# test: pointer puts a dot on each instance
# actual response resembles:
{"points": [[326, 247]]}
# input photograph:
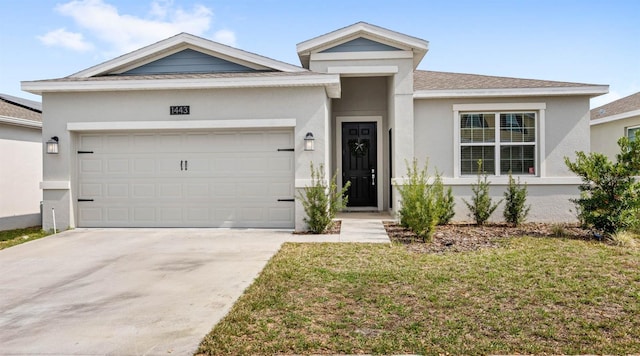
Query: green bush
{"points": [[609, 194], [444, 201], [515, 210], [321, 202], [481, 206], [419, 211]]}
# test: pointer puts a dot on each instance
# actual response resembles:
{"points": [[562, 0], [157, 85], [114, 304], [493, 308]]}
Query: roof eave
{"points": [[181, 39], [20, 122], [621, 116], [590, 91], [329, 81]]}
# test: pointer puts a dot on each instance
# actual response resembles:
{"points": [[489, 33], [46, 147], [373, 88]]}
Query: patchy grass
{"points": [[10, 238], [530, 296]]}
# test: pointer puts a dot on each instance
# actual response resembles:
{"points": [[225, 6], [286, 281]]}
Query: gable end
{"points": [[360, 44], [189, 61]]}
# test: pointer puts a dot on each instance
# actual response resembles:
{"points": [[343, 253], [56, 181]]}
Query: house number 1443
{"points": [[179, 110]]}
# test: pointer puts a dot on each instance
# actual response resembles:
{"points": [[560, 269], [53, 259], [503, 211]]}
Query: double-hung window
{"points": [[504, 142], [633, 133]]}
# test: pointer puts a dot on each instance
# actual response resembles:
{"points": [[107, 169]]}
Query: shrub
{"points": [[419, 211], [558, 230], [481, 206], [609, 194], [515, 210], [444, 201], [624, 238], [321, 202]]}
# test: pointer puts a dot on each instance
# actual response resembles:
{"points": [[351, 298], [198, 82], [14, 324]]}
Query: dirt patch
{"points": [[470, 237]]}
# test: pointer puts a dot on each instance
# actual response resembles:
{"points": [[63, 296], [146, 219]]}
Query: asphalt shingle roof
{"points": [[626, 104], [11, 106], [430, 80]]}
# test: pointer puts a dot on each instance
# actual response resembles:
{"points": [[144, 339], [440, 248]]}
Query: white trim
{"points": [[331, 82], [379, 140], [634, 127], [51, 185], [499, 106], [593, 90], [539, 152], [624, 115], [342, 56], [363, 29], [363, 70], [179, 40], [179, 125], [502, 180], [20, 122]]}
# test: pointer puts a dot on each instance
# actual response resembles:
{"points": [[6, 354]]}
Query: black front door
{"points": [[359, 158]]}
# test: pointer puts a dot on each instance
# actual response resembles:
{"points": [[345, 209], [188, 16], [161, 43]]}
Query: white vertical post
{"points": [[53, 213]]}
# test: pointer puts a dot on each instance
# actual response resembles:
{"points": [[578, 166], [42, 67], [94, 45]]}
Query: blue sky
{"points": [[585, 41]]}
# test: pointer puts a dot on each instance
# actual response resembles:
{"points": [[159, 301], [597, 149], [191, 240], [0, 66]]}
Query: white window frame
{"points": [[497, 109], [626, 131]]}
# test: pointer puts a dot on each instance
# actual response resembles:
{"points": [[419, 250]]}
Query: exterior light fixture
{"points": [[52, 145], [309, 142]]}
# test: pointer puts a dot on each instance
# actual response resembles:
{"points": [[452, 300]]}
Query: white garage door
{"points": [[186, 179]]}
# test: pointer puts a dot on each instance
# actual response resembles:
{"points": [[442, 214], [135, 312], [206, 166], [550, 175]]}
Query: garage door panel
{"points": [[232, 179]]}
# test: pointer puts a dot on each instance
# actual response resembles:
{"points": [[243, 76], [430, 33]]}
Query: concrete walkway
{"points": [[364, 227]]}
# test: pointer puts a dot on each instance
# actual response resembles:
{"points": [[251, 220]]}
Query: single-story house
{"points": [[190, 132], [20, 162], [612, 121]]}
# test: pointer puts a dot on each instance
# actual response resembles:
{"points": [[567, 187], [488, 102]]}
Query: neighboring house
{"points": [[612, 121], [20, 162], [189, 132]]}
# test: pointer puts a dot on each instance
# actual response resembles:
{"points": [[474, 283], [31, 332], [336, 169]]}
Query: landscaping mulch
{"points": [[462, 237], [334, 229]]}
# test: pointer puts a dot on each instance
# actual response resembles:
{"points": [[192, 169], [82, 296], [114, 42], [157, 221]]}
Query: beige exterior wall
{"points": [[605, 136], [20, 175], [308, 105], [566, 121]]}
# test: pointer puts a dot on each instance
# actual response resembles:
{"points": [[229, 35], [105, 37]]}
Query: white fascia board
{"points": [[345, 56], [330, 82], [363, 70], [494, 93], [20, 122], [362, 28], [180, 125], [624, 115], [182, 39]]}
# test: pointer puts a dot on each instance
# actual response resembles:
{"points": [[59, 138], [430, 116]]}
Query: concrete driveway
{"points": [[125, 291]]}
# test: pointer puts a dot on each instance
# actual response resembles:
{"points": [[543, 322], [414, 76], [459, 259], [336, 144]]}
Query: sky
{"points": [[584, 41]]}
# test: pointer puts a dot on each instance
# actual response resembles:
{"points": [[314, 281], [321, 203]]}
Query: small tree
{"points": [[321, 202], [444, 201], [610, 195], [419, 210], [481, 206], [515, 210]]}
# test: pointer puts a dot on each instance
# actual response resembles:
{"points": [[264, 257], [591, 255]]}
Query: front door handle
{"points": [[373, 176]]}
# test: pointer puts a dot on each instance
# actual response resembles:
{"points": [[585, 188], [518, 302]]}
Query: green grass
{"points": [[10, 238], [531, 296]]}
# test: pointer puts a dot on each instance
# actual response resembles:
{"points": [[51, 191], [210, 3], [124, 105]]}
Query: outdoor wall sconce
{"points": [[309, 142], [52, 145]]}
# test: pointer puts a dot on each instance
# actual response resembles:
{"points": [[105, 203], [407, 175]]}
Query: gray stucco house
{"points": [[20, 162], [189, 132], [614, 120]]}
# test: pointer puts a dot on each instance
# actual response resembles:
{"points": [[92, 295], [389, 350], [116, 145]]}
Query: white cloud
{"points": [[66, 39], [226, 37], [124, 33]]}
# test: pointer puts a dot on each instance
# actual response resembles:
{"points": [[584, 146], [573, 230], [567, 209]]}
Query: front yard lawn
{"points": [[10, 238], [529, 295]]}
